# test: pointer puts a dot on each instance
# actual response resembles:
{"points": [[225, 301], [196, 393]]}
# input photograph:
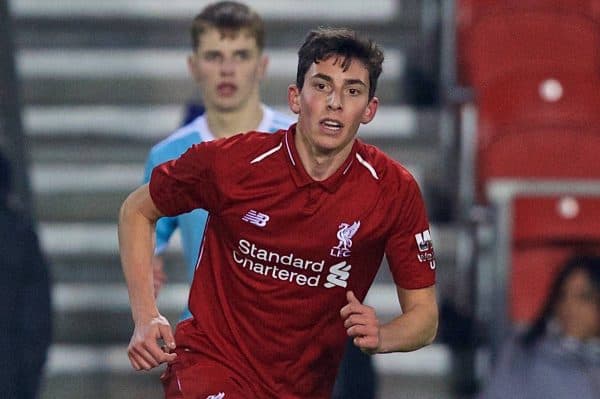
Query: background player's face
{"points": [[228, 70], [332, 104], [578, 308]]}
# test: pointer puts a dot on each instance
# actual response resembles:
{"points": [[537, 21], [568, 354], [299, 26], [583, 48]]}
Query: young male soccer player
{"points": [[228, 64], [299, 223]]}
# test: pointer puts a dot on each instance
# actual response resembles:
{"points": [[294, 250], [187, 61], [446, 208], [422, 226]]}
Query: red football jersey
{"points": [[281, 250]]}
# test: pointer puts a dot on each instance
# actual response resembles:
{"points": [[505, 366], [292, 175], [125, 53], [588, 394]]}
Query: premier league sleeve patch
{"points": [[425, 247]]}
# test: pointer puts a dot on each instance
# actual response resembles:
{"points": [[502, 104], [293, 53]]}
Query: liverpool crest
{"points": [[345, 234]]}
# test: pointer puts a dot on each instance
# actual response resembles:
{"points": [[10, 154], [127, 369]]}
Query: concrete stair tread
{"points": [[99, 313], [74, 178], [157, 120], [152, 75], [110, 135], [433, 360], [101, 238], [153, 63], [42, 24], [109, 297], [379, 10]]}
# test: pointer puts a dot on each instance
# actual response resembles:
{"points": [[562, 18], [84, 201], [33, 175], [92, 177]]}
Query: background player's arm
{"points": [[137, 219], [165, 227], [414, 328]]}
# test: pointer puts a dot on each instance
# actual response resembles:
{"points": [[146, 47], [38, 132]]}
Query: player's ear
{"points": [[294, 98], [263, 63], [370, 110], [192, 67]]}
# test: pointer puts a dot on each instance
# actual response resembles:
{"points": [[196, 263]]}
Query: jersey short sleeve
{"points": [[409, 249], [188, 182]]}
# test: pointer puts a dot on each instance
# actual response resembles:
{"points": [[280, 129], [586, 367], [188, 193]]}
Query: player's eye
{"points": [[320, 86], [210, 56], [242, 55]]}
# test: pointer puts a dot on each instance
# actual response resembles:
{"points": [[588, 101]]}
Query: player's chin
{"points": [[228, 106], [328, 146]]}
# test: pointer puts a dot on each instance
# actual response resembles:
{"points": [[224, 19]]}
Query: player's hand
{"points": [[144, 350], [158, 270], [361, 323]]}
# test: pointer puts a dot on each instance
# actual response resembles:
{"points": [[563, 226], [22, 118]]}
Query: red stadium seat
{"points": [[499, 44], [543, 97], [532, 152], [468, 11], [538, 124], [546, 231]]}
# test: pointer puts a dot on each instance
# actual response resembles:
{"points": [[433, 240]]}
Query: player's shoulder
{"points": [[387, 170], [178, 142], [239, 152], [248, 143]]}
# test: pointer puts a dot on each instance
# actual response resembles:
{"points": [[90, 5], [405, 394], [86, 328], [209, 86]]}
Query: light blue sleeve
{"points": [[165, 226]]}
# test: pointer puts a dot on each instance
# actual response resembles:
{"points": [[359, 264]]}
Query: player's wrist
{"points": [[143, 316]]}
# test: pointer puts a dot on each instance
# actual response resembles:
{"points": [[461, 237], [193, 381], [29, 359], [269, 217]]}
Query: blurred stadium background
{"points": [[493, 105]]}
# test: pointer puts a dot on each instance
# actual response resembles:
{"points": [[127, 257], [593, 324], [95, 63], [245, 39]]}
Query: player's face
{"points": [[578, 309], [228, 70], [332, 104]]}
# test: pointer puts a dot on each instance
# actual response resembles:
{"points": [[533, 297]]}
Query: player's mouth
{"points": [[331, 125], [226, 89]]}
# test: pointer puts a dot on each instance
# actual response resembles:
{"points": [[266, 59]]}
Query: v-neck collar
{"points": [[300, 175]]}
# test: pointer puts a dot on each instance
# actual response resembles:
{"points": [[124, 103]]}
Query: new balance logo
{"points": [[256, 218], [219, 395], [338, 275]]}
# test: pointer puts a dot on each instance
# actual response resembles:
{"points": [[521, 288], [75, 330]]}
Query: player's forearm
{"points": [[412, 330], [136, 233]]}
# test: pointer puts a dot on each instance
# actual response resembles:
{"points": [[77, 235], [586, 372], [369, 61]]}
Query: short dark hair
{"points": [[323, 43], [229, 18]]}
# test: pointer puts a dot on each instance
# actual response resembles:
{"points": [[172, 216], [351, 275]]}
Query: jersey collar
{"points": [[265, 124], [302, 178]]}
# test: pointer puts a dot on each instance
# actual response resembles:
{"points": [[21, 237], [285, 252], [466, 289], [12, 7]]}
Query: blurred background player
{"points": [[228, 64]]}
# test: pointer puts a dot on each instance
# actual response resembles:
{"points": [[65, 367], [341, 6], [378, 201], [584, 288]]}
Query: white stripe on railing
{"points": [[155, 63], [157, 121], [81, 238], [93, 296], [345, 10], [433, 361], [76, 178]]}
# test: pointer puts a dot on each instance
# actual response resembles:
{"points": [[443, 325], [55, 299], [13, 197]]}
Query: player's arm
{"points": [[165, 227], [417, 326], [137, 219], [414, 328]]}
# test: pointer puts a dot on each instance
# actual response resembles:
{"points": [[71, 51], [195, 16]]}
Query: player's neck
{"points": [[228, 123], [320, 166]]}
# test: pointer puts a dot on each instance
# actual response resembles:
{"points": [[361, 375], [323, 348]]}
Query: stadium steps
{"points": [[156, 75], [94, 170], [101, 83]]}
